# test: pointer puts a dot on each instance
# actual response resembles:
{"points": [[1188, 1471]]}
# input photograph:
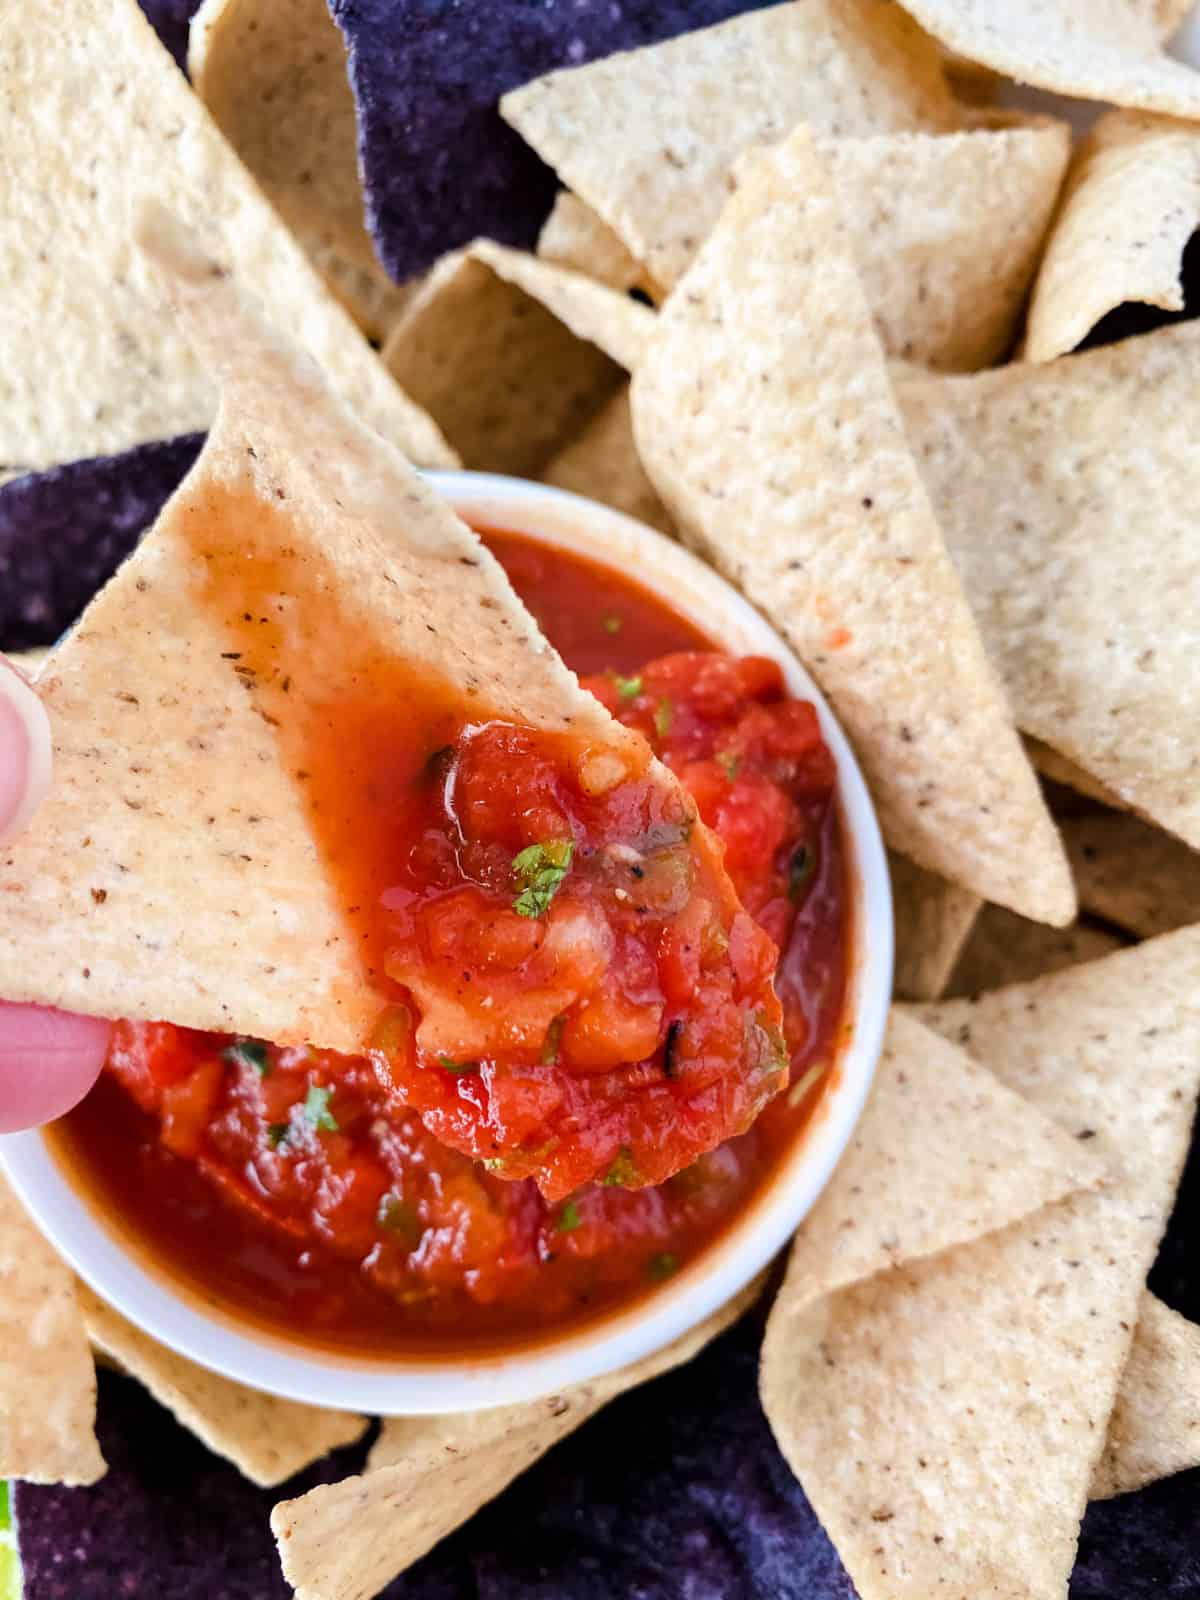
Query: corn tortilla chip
{"points": [[933, 920], [1133, 874], [943, 1153], [266, 1438], [1154, 1429], [1132, 204], [1096, 51], [47, 1378], [1065, 492], [1004, 948], [426, 1475], [947, 231], [574, 236], [375, 303], [648, 139], [162, 757], [764, 416], [602, 462], [507, 381], [273, 75], [1052, 764], [90, 367], [945, 1418]]}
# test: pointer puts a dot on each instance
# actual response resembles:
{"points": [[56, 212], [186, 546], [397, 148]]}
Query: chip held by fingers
{"points": [[312, 703]]}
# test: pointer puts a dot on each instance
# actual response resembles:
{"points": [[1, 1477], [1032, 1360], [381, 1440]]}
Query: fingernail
{"points": [[25, 750]]}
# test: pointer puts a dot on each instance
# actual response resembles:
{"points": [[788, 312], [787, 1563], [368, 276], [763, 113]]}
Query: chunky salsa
{"points": [[485, 1168]]}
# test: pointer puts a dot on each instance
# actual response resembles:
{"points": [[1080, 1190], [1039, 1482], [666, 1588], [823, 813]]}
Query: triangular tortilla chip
{"points": [[648, 138], [507, 381], [947, 231], [1132, 204], [1154, 1429], [375, 302], [1004, 948], [513, 355], [1066, 495], [427, 1475], [602, 462], [174, 786], [47, 1377], [933, 920], [266, 1438], [273, 74], [90, 367], [574, 236], [764, 415], [1052, 764], [945, 1418], [943, 1153], [1094, 49], [1133, 874]]}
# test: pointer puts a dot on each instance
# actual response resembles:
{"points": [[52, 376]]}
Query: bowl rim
{"points": [[183, 1320]]}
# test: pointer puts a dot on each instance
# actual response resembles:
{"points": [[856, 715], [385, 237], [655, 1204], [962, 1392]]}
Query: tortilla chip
{"points": [[47, 1379], [513, 355], [764, 416], [943, 1153], [1154, 1429], [1004, 948], [1052, 764], [375, 302], [90, 367], [1132, 874], [1131, 206], [266, 1438], [173, 783], [1066, 494], [273, 74], [30, 662], [648, 139], [1110, 51], [933, 920], [574, 236], [427, 1475], [947, 232], [602, 462], [945, 1418]]}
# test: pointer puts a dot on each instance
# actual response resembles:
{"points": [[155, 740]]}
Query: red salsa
{"points": [[574, 1088]]}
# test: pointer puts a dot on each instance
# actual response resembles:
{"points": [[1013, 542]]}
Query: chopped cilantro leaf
{"points": [[248, 1053], [800, 871], [568, 1218], [460, 1068], [553, 1040], [660, 1267], [627, 688], [613, 623], [623, 1172], [729, 764], [664, 715], [316, 1108], [399, 1217], [276, 1134], [539, 870], [494, 1164]]}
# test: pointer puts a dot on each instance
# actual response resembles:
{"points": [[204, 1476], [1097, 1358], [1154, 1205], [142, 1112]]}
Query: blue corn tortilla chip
{"points": [[170, 19], [63, 533], [439, 166]]}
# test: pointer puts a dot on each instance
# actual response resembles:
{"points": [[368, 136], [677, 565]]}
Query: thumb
{"points": [[25, 750]]}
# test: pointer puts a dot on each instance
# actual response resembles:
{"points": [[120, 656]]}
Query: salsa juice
{"points": [[293, 1186]]}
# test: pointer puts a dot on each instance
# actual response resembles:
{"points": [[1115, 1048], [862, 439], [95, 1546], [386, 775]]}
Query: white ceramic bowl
{"points": [[184, 1320]]}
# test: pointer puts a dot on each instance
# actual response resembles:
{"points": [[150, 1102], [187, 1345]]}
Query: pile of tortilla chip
{"points": [[815, 288]]}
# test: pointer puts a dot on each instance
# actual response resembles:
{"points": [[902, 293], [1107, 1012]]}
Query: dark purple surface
{"points": [[440, 166], [63, 533], [169, 19]]}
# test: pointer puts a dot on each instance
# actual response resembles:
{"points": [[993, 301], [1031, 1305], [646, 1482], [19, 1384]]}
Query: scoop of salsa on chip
{"points": [[561, 1102]]}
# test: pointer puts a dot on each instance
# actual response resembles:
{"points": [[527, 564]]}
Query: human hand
{"points": [[48, 1059]]}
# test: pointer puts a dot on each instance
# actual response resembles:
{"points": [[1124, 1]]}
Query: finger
{"points": [[48, 1062], [25, 750]]}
